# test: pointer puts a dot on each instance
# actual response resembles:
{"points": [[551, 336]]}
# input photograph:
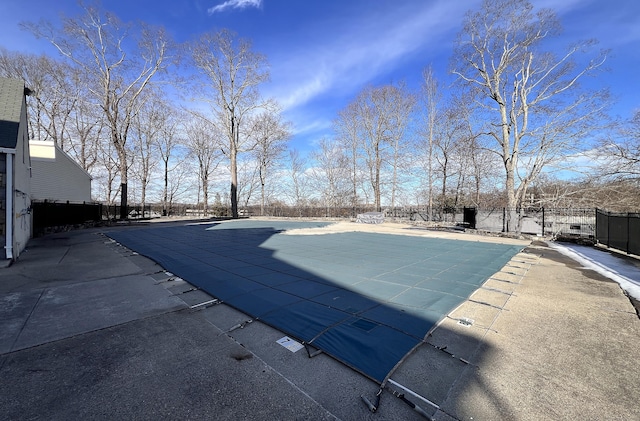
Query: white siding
{"points": [[22, 188], [56, 177]]}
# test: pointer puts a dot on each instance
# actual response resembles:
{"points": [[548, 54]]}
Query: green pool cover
{"points": [[366, 299]]}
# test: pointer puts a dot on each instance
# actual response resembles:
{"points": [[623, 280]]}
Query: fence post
{"points": [[628, 230], [608, 229], [504, 218], [597, 237], [543, 221]]}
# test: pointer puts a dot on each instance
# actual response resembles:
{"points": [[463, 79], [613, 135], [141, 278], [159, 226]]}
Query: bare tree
{"points": [[299, 181], [107, 173], [530, 98], [446, 146], [330, 173], [400, 118], [270, 135], [379, 117], [235, 72], [87, 125], [203, 142], [167, 144], [620, 158], [148, 126], [430, 99], [53, 96], [179, 184], [348, 134], [58, 109], [104, 50]]}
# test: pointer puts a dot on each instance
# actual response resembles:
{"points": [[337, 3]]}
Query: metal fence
{"points": [[113, 212], [619, 230], [553, 222], [616, 230]]}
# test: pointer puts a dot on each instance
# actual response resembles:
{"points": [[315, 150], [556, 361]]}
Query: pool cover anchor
{"points": [[411, 404], [205, 304], [373, 407], [310, 353], [239, 326]]}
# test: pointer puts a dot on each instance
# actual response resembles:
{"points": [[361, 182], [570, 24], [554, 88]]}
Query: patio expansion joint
{"points": [[242, 325], [24, 324], [79, 334], [471, 364]]}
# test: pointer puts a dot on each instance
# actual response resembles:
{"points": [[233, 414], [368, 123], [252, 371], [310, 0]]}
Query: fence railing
{"points": [[616, 230], [554, 222], [619, 230]]}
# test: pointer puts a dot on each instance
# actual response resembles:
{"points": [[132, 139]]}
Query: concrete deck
{"points": [[90, 330]]}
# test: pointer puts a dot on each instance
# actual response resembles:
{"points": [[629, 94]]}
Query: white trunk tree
{"points": [[203, 141], [621, 157], [430, 97], [529, 97], [270, 135], [118, 60], [378, 118], [299, 180], [234, 72]]}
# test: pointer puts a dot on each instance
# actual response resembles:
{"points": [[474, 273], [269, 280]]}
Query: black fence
{"points": [[54, 214], [113, 212], [619, 230]]}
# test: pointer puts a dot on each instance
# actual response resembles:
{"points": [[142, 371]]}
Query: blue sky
{"points": [[322, 53]]}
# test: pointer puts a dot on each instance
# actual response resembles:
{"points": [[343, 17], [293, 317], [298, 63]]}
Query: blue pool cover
{"points": [[366, 299]]}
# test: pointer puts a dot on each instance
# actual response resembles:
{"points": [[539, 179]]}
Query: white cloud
{"points": [[354, 53], [234, 4]]}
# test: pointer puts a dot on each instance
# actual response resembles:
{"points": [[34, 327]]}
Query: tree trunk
{"points": [[143, 193], [430, 164], [263, 172], [234, 183], [205, 199], [376, 187], [165, 193], [123, 201]]}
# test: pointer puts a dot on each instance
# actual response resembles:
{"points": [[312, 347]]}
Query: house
{"points": [[55, 176], [15, 169]]}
